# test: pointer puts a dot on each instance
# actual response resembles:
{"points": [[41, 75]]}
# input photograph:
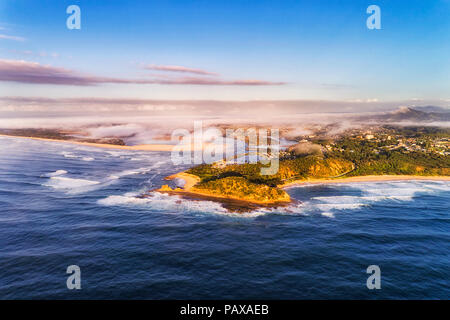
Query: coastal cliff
{"points": [[240, 188], [234, 188]]}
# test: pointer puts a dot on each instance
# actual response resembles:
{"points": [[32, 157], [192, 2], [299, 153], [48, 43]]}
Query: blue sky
{"points": [[318, 50]]}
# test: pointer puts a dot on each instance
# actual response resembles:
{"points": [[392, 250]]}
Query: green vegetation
{"points": [[392, 151], [57, 134], [414, 163], [241, 188], [245, 182], [419, 132], [37, 133], [380, 158], [290, 169]]}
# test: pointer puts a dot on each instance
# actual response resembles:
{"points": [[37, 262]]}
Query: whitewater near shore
{"points": [[50, 203], [371, 178], [191, 180]]}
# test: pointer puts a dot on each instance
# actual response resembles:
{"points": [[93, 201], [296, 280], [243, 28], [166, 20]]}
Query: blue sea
{"points": [[63, 205]]}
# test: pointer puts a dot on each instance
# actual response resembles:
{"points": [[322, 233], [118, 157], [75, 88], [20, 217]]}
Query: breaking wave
{"points": [[365, 194], [70, 155], [171, 204], [70, 184], [130, 172], [56, 173]]}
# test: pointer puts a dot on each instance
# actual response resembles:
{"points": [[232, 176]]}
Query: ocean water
{"points": [[64, 205]]}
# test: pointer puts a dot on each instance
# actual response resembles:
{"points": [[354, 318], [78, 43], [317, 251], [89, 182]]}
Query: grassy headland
{"points": [[391, 155]]}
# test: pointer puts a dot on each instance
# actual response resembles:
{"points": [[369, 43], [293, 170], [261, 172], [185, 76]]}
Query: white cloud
{"points": [[14, 38]]}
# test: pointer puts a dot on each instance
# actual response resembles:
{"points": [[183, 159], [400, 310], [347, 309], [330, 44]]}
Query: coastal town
{"points": [[389, 139]]}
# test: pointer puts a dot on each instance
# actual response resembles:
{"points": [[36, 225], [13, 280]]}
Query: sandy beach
{"points": [[141, 147], [190, 180], [364, 179]]}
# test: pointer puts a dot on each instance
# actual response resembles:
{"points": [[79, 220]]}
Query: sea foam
{"points": [[69, 184], [171, 203], [56, 173], [369, 193]]}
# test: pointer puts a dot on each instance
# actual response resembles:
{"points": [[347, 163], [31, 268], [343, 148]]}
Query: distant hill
{"points": [[413, 115], [433, 109]]}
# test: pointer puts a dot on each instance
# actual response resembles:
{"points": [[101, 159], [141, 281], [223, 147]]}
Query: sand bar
{"points": [[190, 180], [142, 147]]}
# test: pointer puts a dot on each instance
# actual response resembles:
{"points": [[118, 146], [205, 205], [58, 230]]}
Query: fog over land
{"points": [[139, 121]]}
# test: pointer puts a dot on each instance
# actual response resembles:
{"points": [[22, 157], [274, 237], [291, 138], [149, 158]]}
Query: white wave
{"points": [[121, 200], [119, 154], [70, 155], [172, 204], [75, 185], [438, 186], [402, 191], [70, 185], [56, 173], [336, 199], [312, 207], [130, 172], [328, 214], [370, 193], [251, 214], [338, 206], [292, 209], [360, 199], [162, 202]]}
